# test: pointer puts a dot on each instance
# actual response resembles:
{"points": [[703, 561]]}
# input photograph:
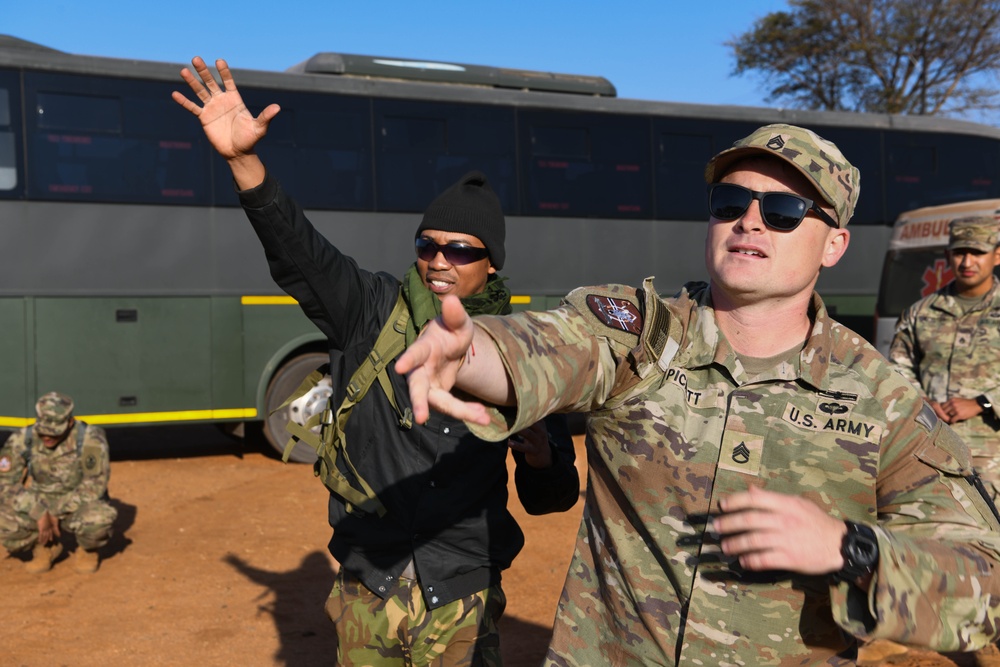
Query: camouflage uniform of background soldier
{"points": [[948, 344], [763, 487], [54, 478]]}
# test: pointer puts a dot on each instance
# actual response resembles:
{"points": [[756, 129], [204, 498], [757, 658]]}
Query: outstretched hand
{"points": [[230, 127], [432, 362]]}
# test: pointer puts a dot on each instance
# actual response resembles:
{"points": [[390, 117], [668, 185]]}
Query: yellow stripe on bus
{"points": [[289, 301], [147, 417], [268, 301]]}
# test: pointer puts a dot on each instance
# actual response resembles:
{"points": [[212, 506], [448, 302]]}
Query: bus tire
{"points": [[286, 380]]}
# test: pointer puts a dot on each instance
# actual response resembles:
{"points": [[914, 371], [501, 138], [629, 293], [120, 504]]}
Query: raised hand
{"points": [[229, 126]]}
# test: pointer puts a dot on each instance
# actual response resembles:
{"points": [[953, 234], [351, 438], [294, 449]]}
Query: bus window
{"points": [[681, 175], [81, 149], [586, 165], [422, 148], [8, 146], [78, 113], [916, 174], [333, 157]]}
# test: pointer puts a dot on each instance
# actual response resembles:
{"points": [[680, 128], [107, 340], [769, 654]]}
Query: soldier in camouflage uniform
{"points": [[948, 344], [764, 488], [53, 478]]}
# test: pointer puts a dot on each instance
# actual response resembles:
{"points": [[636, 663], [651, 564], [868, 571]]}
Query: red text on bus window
{"points": [[68, 139]]}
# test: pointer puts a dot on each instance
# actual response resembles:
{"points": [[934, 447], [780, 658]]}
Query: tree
{"points": [[887, 56]]}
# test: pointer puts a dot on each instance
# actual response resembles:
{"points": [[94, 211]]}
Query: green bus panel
{"points": [[227, 354], [125, 355], [16, 386], [272, 334]]}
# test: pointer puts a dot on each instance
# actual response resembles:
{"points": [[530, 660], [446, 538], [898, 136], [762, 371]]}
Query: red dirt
{"points": [[221, 559]]}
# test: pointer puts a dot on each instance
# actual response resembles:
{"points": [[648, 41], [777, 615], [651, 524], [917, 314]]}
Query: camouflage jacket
{"points": [[60, 480], [674, 423], [947, 353]]}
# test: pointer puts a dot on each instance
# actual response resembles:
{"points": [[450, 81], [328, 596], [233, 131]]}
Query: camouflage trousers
{"points": [[91, 524], [401, 630]]}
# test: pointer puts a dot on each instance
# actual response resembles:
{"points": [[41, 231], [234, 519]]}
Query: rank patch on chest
{"points": [[616, 313], [741, 452], [4, 464]]}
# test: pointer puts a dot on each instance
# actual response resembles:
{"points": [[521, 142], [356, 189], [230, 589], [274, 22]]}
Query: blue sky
{"points": [[671, 50]]}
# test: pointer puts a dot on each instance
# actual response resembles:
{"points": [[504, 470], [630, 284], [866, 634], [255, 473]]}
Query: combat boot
{"points": [[877, 651], [988, 656], [85, 562], [42, 558]]}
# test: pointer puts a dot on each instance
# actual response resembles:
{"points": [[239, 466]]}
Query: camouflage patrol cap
{"points": [[54, 412], [977, 233], [819, 160]]}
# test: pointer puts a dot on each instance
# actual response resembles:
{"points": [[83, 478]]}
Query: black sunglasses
{"points": [[780, 210], [457, 254]]}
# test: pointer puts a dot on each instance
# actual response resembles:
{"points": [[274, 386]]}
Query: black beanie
{"points": [[470, 207]]}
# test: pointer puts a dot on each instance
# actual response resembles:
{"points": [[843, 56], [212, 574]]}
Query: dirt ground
{"points": [[220, 559]]}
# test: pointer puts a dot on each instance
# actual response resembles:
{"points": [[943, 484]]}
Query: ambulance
{"points": [[915, 265]]}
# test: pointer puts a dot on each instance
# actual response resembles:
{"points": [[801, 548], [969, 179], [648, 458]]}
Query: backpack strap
{"points": [[330, 443], [80, 435]]}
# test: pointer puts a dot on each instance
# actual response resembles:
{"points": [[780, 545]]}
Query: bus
{"points": [[132, 281]]}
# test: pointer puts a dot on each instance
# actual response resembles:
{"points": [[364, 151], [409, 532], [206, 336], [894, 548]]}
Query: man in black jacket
{"points": [[419, 583]]}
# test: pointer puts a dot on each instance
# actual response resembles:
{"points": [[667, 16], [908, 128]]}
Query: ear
{"points": [[996, 256], [837, 241], [491, 269]]}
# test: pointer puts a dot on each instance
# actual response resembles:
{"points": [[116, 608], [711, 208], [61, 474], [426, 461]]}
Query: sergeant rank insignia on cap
{"points": [[616, 313]]}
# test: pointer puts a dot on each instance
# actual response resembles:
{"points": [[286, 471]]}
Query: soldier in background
{"points": [[763, 486], [54, 478], [948, 344]]}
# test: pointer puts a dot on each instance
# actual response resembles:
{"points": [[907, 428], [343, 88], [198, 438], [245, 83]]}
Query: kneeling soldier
{"points": [[68, 465]]}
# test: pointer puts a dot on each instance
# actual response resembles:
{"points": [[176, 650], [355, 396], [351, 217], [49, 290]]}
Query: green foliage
{"points": [[887, 56]]}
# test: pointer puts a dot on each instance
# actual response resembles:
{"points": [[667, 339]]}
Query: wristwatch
{"points": [[984, 402], [860, 552]]}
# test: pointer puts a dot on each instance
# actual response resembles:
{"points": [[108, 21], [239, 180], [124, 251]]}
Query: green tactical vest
{"points": [[330, 442]]}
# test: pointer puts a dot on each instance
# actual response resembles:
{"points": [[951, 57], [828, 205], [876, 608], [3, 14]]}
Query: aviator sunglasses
{"points": [[780, 210], [456, 254]]}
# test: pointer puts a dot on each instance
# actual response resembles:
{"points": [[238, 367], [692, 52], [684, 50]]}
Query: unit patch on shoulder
{"points": [[90, 463], [616, 313], [4, 464]]}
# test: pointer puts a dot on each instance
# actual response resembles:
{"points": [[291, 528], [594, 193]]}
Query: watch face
{"points": [[984, 402], [862, 552]]}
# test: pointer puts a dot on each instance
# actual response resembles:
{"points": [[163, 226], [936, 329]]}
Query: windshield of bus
{"points": [[910, 275]]}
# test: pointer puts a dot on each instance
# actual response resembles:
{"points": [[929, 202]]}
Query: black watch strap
{"points": [[860, 552], [984, 402]]}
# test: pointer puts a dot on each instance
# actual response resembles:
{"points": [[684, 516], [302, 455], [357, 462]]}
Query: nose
{"points": [[752, 219], [439, 262]]}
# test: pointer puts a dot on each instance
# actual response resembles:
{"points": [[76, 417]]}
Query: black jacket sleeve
{"points": [[552, 489], [331, 289]]}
